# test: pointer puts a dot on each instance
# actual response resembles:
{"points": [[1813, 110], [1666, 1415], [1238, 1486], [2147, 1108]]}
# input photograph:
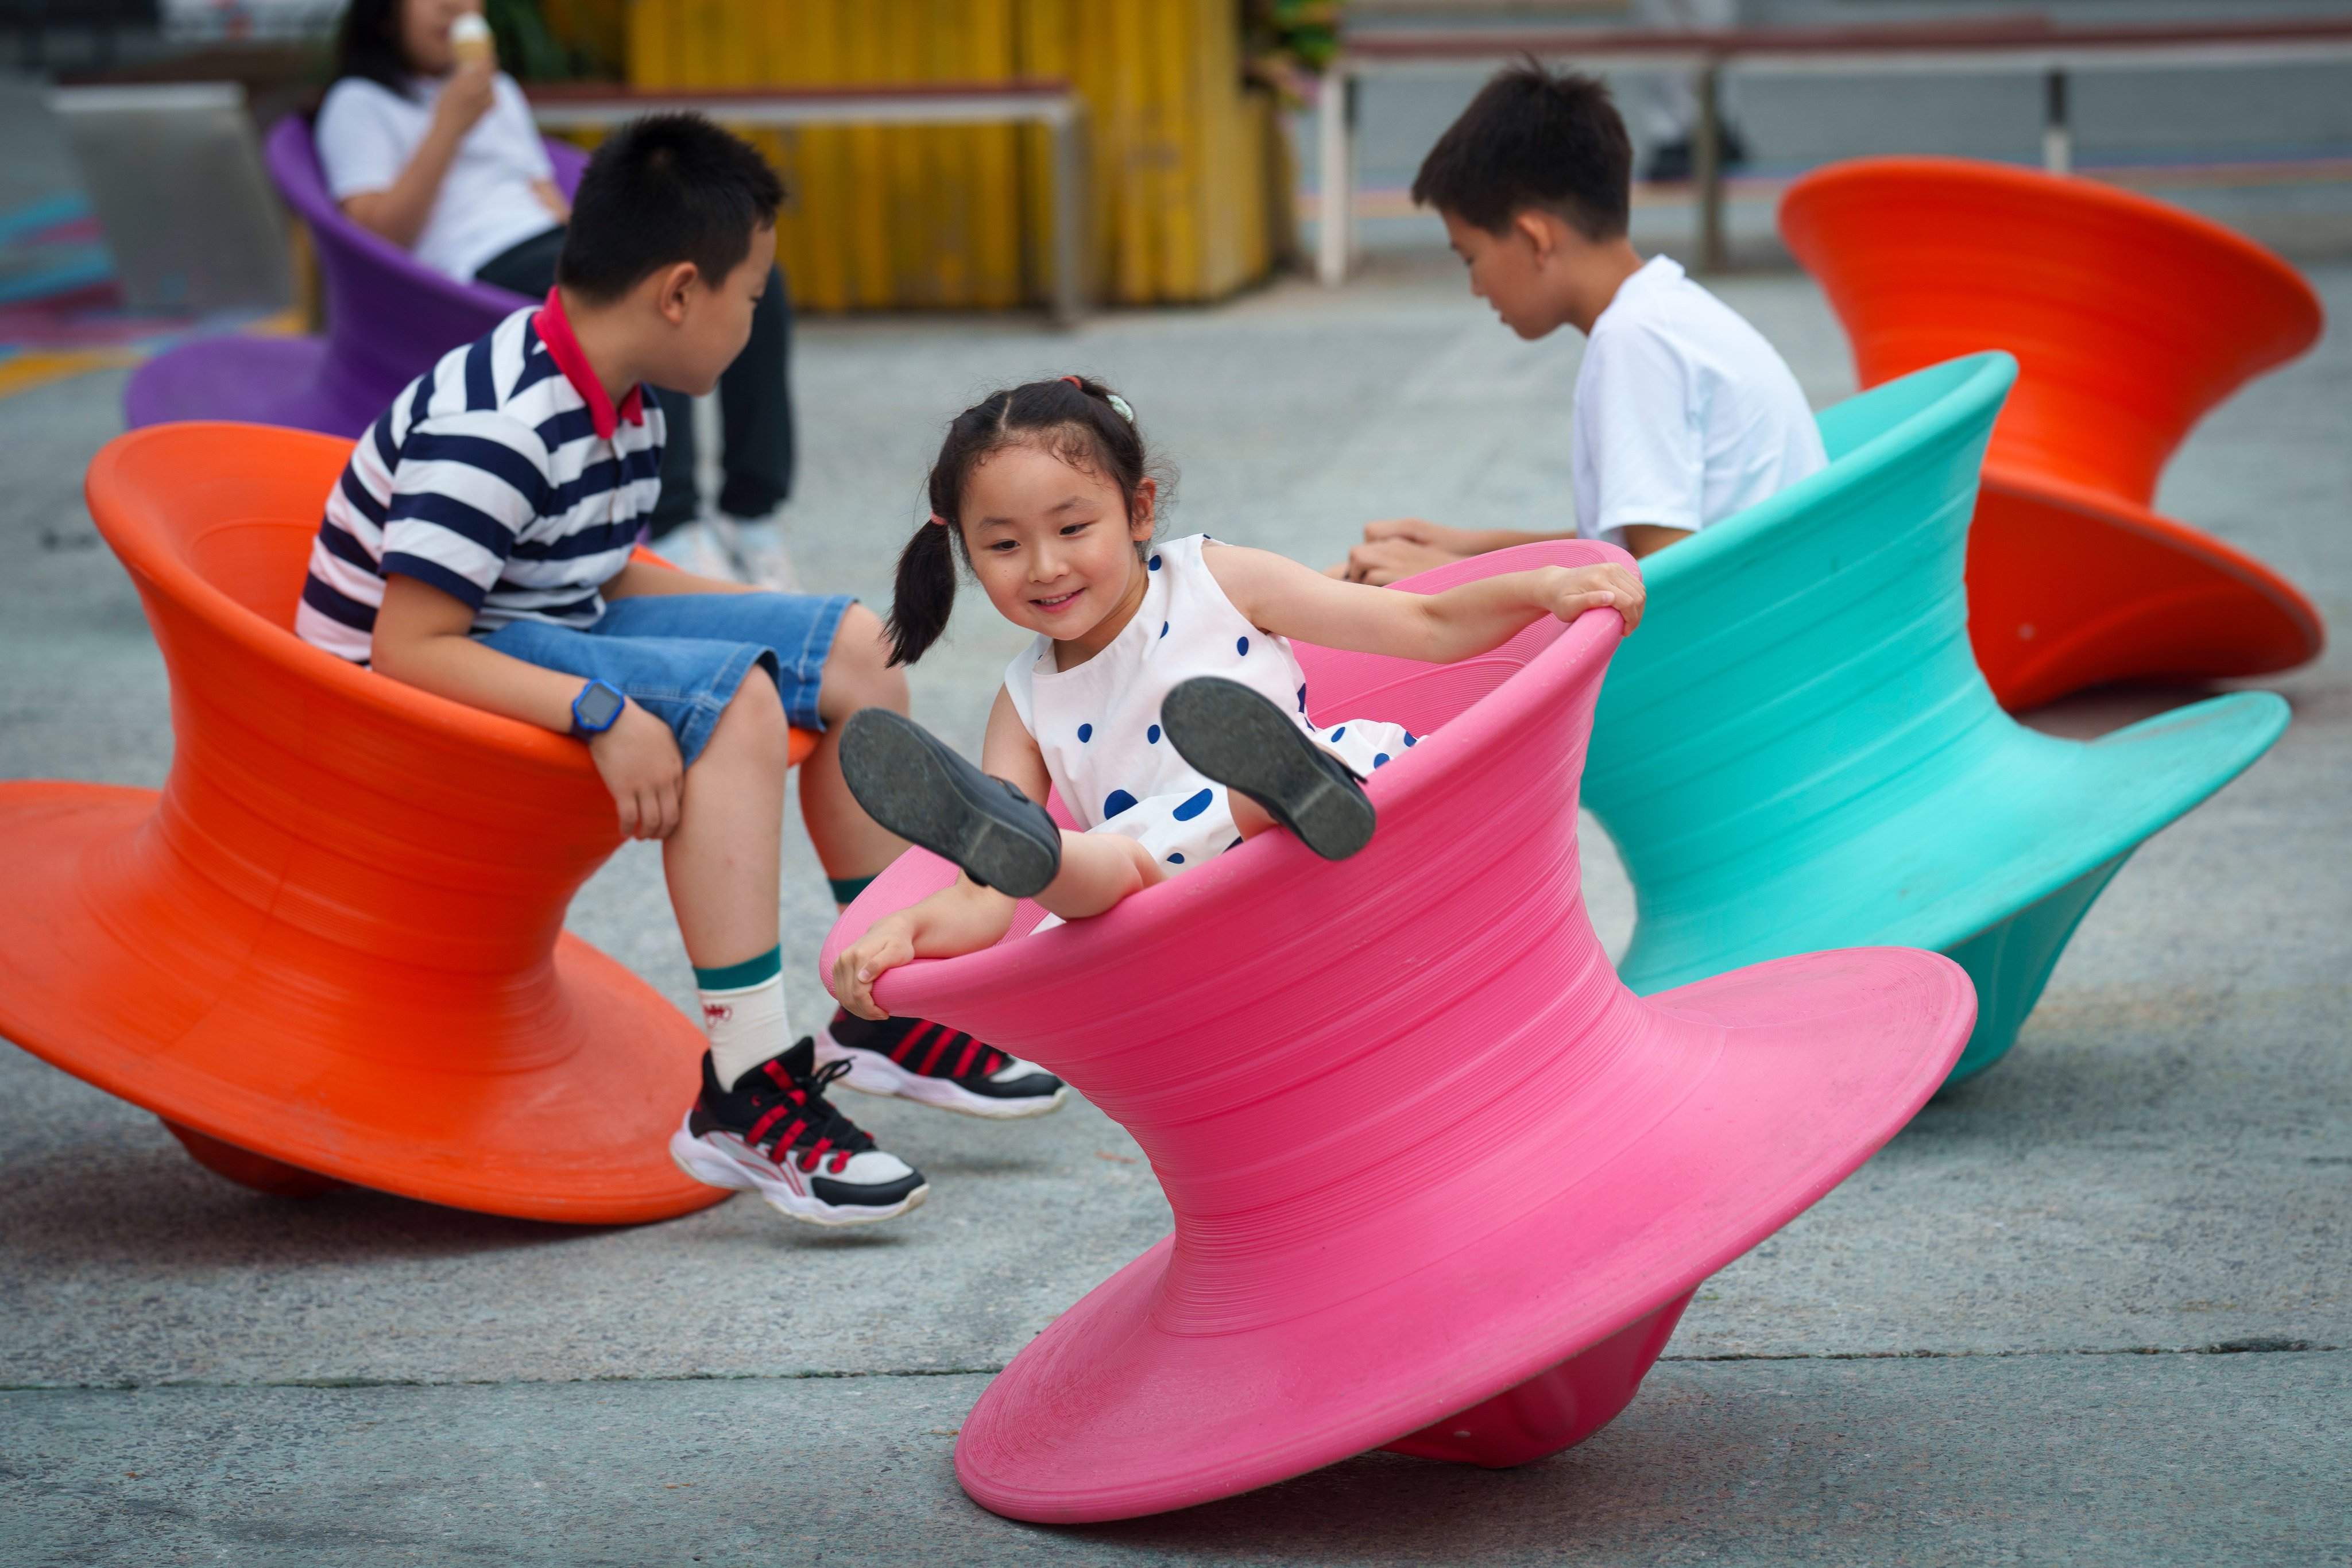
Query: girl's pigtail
{"points": [[924, 595]]}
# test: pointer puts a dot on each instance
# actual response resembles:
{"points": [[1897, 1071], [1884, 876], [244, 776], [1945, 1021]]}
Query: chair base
{"points": [[1711, 1117], [2010, 963], [2070, 589], [554, 1099], [1553, 1410], [249, 1169], [250, 380]]}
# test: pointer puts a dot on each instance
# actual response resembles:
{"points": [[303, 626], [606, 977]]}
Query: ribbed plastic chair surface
{"points": [[331, 950], [2130, 319], [1798, 751], [1440, 1183], [389, 318]]}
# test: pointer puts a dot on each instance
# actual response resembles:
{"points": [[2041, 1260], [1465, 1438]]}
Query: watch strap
{"points": [[581, 728]]}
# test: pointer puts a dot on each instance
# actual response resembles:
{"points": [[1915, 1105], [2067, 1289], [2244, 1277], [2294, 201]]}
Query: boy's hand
{"points": [[1421, 531], [1399, 547], [885, 947], [1608, 585], [1385, 561], [638, 759]]}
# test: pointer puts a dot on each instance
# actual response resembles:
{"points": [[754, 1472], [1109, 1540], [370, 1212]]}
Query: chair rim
{"points": [[1991, 374], [1980, 379], [115, 487], [2061, 193], [1568, 658]]}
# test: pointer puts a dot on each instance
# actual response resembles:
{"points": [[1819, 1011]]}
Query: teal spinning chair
{"points": [[1797, 752]]}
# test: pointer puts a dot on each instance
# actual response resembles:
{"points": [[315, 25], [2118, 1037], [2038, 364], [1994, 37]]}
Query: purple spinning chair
{"points": [[388, 318]]}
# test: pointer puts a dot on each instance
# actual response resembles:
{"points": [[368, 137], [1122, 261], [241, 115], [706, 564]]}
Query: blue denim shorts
{"points": [[680, 656]]}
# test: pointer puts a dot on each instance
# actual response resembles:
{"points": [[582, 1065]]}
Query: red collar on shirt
{"points": [[554, 330]]}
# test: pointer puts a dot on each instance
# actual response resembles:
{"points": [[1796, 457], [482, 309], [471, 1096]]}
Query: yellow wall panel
{"points": [[961, 216]]}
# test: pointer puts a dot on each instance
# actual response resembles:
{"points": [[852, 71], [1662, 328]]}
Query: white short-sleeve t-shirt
{"points": [[1684, 414], [366, 134]]}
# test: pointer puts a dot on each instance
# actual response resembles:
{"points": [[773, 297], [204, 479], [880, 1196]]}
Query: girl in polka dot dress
{"points": [[1160, 696]]}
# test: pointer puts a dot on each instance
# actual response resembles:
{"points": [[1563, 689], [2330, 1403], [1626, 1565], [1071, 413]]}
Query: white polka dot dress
{"points": [[1098, 725]]}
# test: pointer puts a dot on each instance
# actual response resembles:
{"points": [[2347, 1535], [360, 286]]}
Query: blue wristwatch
{"points": [[596, 708]]}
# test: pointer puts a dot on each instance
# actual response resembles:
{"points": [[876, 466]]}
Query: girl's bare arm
{"points": [[400, 212], [1294, 601]]}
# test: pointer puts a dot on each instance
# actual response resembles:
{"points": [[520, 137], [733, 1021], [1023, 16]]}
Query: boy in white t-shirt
{"points": [[1684, 414]]}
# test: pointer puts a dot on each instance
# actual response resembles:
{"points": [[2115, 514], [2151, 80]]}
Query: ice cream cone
{"points": [[470, 41]]}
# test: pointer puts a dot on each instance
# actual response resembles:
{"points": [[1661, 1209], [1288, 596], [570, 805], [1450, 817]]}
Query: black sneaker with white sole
{"points": [[922, 789], [935, 1065], [1234, 735], [776, 1134]]}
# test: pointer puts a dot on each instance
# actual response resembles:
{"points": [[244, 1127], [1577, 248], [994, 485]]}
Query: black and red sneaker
{"points": [[935, 1065], [776, 1134]]}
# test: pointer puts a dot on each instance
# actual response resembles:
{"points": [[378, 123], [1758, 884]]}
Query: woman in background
{"points": [[439, 155]]}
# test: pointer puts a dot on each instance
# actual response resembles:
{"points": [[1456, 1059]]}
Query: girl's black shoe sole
{"points": [[1237, 737], [925, 793]]}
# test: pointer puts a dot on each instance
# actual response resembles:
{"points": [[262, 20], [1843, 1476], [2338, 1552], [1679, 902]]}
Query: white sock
{"points": [[746, 1025]]}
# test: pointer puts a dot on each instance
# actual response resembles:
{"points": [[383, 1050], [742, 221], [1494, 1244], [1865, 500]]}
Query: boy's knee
{"points": [[755, 720], [857, 669]]}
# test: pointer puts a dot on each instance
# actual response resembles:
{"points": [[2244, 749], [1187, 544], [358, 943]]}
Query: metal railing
{"points": [[1051, 104], [2003, 47]]}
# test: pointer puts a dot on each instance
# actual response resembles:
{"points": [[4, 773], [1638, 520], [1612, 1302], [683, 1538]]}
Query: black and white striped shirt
{"points": [[502, 476]]}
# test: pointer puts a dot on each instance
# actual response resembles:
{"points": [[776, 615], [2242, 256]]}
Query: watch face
{"points": [[598, 706]]}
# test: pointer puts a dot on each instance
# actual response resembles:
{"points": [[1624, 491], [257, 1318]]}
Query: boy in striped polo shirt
{"points": [[478, 546]]}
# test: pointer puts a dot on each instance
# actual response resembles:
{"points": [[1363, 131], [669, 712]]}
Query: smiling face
{"points": [[1053, 546]]}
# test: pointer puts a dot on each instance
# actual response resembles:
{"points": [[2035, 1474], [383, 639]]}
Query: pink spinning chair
{"points": [[1440, 1183]]}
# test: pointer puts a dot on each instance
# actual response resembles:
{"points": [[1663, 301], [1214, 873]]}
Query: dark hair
{"points": [[665, 189], [1072, 417], [1533, 138], [368, 45]]}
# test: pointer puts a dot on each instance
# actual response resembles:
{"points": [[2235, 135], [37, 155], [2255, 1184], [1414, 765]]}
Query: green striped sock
{"points": [[845, 889], [743, 1014], [750, 972]]}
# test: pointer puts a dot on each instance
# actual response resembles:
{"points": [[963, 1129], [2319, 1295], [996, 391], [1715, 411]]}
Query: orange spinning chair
{"points": [[2130, 319], [332, 950]]}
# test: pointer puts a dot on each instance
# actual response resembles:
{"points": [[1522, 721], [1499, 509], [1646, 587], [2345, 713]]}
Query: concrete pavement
{"points": [[2093, 1307], [2125, 1461]]}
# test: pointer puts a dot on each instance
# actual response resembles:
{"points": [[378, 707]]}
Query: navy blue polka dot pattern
{"points": [[1193, 806], [1241, 645], [1234, 846], [1339, 732], [1155, 563], [1302, 699], [1177, 858], [1153, 735], [1086, 733], [1118, 801], [1163, 628], [1380, 760], [1411, 739]]}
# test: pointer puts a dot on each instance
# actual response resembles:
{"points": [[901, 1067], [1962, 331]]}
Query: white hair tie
{"points": [[1120, 403]]}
